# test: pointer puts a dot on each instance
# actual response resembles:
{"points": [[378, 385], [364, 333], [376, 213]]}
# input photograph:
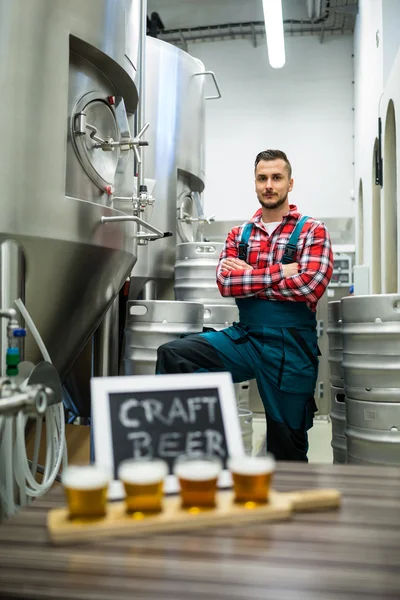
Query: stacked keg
{"points": [[150, 323], [371, 364], [195, 272], [195, 281], [337, 393]]}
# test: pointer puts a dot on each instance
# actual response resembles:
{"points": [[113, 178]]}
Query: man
{"points": [[277, 267]]}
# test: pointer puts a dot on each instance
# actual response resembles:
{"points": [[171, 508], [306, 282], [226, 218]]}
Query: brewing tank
{"points": [[67, 71], [174, 160]]}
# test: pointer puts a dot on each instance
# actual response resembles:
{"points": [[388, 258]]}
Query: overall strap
{"points": [[243, 243], [291, 246]]}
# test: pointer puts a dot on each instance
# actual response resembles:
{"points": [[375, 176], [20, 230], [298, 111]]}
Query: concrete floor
{"points": [[320, 436]]}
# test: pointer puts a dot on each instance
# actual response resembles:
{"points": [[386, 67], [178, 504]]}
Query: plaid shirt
{"points": [[266, 280]]}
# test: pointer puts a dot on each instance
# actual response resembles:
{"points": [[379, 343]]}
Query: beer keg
{"points": [[335, 357], [195, 273], [373, 432], [338, 418], [335, 354], [220, 316], [371, 347], [150, 323], [371, 364]]}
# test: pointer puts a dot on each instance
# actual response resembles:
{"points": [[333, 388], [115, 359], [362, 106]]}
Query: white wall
{"points": [[304, 109], [377, 76]]}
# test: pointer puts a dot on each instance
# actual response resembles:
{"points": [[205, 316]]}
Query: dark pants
{"points": [[285, 377]]}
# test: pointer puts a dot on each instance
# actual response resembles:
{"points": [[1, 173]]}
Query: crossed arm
{"points": [[232, 264], [304, 281]]}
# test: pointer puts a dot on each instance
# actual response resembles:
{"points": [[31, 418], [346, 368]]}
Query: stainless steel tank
{"points": [[373, 432], [371, 347], [338, 418], [65, 66], [175, 109], [195, 273], [152, 323]]}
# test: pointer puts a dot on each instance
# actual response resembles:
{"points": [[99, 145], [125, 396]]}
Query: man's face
{"points": [[272, 183]]}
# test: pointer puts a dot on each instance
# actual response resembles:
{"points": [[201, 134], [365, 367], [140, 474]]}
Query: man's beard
{"points": [[273, 203]]}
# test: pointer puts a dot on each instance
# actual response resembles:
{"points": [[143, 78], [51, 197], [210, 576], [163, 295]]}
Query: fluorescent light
{"points": [[274, 31]]}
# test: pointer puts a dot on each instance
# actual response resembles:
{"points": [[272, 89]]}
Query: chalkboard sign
{"points": [[164, 416]]}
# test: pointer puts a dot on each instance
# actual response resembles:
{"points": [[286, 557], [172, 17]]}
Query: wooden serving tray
{"points": [[173, 518]]}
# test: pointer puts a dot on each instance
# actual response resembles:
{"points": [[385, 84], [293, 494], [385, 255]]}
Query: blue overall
{"points": [[274, 342]]}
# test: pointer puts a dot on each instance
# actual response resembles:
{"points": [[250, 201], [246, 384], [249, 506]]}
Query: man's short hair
{"points": [[273, 155]]}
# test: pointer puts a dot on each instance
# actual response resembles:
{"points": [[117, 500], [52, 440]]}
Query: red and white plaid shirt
{"points": [[265, 252]]}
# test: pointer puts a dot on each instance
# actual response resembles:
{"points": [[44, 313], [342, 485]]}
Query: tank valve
{"points": [[14, 332]]}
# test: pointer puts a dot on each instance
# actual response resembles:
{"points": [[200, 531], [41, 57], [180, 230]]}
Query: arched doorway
{"points": [[376, 231], [360, 226], [390, 257]]}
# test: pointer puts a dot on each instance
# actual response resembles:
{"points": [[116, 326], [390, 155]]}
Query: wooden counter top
{"points": [[353, 553]]}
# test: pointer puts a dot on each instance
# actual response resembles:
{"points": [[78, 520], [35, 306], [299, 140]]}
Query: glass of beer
{"points": [[144, 484], [198, 476], [86, 491], [252, 478]]}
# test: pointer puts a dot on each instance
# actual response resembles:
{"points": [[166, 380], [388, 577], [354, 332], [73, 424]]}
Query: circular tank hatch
{"points": [[100, 165]]}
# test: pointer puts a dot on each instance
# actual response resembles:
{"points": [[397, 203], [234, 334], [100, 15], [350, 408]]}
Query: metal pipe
{"points": [[149, 291], [12, 267], [105, 344], [9, 313], [141, 132], [137, 220], [141, 116], [34, 401]]}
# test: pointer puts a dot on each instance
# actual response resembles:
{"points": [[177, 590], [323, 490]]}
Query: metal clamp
{"points": [[139, 203], [215, 83]]}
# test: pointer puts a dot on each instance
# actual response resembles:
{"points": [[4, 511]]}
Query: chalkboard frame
{"points": [[103, 387]]}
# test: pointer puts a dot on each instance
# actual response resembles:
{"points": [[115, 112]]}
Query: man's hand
{"points": [[290, 269], [233, 264]]}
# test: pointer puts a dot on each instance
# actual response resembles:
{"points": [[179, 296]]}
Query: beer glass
{"points": [[251, 478], [144, 484], [198, 478], [86, 491]]}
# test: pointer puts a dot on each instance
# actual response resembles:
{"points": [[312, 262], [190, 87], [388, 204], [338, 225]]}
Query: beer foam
{"points": [[197, 470], [142, 472], [87, 477], [251, 465]]}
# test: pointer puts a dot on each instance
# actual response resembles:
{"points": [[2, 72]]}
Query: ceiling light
{"points": [[274, 32]]}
